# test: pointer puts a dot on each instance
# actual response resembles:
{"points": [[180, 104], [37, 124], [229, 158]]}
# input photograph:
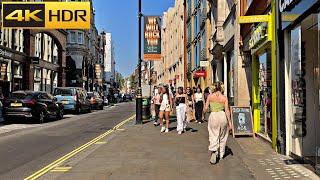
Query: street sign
{"points": [[35, 60], [204, 63], [253, 19]]}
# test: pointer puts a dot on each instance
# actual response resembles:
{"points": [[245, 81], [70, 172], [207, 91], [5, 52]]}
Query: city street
{"points": [[25, 148]]}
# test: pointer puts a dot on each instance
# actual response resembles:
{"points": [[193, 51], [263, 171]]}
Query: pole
{"points": [[139, 90]]}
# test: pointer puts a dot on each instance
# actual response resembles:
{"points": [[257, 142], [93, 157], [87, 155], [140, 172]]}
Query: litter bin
{"points": [[146, 114]]}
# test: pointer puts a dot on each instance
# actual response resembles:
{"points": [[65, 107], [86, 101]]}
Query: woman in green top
{"points": [[219, 122]]}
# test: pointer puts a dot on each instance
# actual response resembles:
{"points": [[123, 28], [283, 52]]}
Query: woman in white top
{"points": [[165, 108], [199, 104]]}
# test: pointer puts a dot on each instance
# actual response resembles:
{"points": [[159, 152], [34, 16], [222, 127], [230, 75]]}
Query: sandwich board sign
{"points": [[242, 122]]}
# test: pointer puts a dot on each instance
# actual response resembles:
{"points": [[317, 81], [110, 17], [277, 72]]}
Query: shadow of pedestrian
{"points": [[228, 151]]}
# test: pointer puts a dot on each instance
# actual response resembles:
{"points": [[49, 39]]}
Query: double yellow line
{"points": [[59, 161]]}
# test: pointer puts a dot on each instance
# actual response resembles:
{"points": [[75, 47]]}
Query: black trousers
{"points": [[157, 111], [198, 110]]}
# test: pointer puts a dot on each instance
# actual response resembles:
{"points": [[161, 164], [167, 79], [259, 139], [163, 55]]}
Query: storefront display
{"points": [[302, 79]]}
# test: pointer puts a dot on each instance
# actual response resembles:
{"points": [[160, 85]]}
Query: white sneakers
{"points": [[179, 132], [163, 129]]}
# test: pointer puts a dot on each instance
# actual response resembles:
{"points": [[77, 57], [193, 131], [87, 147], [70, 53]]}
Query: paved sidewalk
{"points": [[142, 152]]}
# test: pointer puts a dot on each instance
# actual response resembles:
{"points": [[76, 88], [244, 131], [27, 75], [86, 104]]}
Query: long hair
{"points": [[180, 90]]}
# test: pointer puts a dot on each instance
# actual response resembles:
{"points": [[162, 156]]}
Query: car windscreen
{"points": [[63, 92], [21, 96]]}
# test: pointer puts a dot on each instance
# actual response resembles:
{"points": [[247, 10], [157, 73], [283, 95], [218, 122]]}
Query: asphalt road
{"points": [[28, 148]]}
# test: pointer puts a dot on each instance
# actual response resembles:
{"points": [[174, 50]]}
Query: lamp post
{"points": [[139, 90]]}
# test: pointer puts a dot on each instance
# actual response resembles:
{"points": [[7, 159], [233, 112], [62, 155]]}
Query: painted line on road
{"points": [[59, 161]]}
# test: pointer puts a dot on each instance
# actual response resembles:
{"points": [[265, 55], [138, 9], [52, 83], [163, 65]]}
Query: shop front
{"points": [[300, 29], [12, 66], [260, 47]]}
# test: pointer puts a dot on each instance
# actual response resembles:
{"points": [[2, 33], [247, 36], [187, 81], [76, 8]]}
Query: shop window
{"points": [[3, 71], [17, 70], [37, 74]]}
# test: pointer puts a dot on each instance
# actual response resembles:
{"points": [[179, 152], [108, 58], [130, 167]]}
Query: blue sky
{"points": [[120, 18]]}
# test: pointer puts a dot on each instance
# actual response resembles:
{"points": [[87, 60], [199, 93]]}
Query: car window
{"points": [[22, 96], [63, 92], [42, 96]]}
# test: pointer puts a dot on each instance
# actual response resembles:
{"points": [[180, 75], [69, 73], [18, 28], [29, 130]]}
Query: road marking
{"points": [[61, 169], [59, 161], [101, 142]]}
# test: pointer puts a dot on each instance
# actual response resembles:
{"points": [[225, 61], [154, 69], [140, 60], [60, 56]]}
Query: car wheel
{"points": [[41, 117], [60, 114]]}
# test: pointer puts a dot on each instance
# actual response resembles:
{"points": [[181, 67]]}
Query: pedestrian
{"points": [[181, 108], [165, 108], [199, 104], [219, 122], [190, 105], [156, 103]]}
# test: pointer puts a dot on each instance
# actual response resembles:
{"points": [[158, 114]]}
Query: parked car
{"points": [[128, 97], [31, 105], [96, 100], [74, 99]]}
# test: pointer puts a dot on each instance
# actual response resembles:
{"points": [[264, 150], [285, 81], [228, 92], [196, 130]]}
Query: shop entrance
{"points": [[263, 88]]}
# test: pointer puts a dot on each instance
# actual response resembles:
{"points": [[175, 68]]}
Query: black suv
{"points": [[31, 105]]}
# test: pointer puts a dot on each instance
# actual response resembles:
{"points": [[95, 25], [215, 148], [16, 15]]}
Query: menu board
{"points": [[242, 122]]}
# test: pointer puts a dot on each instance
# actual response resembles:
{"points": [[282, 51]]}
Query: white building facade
{"points": [[109, 61]]}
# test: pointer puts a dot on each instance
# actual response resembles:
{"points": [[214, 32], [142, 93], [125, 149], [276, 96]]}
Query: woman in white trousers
{"points": [[219, 122], [181, 108]]}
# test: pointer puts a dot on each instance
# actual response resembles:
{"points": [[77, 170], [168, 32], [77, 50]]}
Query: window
{"points": [[189, 56], [195, 55], [189, 7], [72, 38], [195, 25], [189, 33], [80, 38]]}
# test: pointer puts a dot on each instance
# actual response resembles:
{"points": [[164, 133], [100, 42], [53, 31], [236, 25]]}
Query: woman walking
{"points": [[190, 105], [156, 102], [219, 122], [165, 108], [199, 104], [181, 108]]}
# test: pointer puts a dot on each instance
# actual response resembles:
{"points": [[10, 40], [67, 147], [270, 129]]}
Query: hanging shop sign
{"points": [[258, 35], [152, 38], [200, 73], [5, 53], [204, 63], [35, 60], [285, 5]]}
